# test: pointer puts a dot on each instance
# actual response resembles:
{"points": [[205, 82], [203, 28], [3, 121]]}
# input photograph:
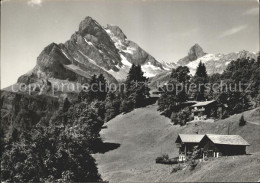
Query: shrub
{"points": [[176, 168], [164, 159], [193, 164], [181, 117]]}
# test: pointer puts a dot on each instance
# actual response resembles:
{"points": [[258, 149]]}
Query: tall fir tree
{"points": [[200, 79], [242, 121], [201, 70], [136, 88]]}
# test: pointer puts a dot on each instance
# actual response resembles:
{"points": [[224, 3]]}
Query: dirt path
{"points": [[254, 123], [141, 135]]}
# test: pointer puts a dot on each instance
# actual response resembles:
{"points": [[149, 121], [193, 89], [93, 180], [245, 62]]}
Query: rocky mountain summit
{"points": [[92, 49], [194, 53], [215, 63]]}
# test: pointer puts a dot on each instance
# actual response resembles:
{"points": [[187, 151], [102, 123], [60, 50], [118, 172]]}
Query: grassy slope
{"points": [[144, 134]]}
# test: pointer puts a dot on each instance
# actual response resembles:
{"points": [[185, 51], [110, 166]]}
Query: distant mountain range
{"points": [[215, 63], [95, 49]]}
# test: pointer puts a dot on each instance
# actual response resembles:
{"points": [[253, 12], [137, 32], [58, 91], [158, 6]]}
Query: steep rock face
{"points": [[131, 53], [194, 53], [92, 49]]}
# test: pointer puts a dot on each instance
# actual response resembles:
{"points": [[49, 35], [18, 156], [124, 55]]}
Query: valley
{"points": [[133, 131]]}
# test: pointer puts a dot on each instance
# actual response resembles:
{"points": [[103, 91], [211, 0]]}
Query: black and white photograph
{"points": [[130, 91]]}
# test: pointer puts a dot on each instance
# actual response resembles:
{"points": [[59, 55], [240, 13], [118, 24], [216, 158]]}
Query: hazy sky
{"points": [[165, 28]]}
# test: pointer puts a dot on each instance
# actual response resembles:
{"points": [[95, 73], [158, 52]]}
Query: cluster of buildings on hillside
{"points": [[210, 145]]}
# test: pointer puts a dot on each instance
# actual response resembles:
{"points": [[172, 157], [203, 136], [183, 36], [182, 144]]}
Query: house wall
{"points": [[189, 147], [204, 112], [229, 150], [210, 149], [186, 150]]}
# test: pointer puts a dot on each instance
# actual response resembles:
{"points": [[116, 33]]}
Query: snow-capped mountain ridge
{"points": [[130, 52], [93, 49], [215, 63]]}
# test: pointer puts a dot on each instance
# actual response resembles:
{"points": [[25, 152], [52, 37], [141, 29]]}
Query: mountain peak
{"points": [[88, 25], [194, 53], [50, 47]]}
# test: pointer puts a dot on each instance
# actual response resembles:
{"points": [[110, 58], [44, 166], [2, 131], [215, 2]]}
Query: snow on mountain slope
{"points": [[131, 53], [215, 63], [204, 59], [150, 70], [168, 65], [123, 70]]}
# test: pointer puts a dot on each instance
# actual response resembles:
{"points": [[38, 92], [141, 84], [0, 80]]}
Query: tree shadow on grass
{"points": [[106, 146], [149, 101]]}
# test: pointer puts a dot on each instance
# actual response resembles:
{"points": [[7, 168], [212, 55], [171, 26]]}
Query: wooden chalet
{"points": [[204, 110], [186, 144], [222, 145]]}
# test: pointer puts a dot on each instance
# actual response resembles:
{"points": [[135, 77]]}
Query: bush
{"points": [[176, 168], [181, 117], [127, 106], [162, 158], [193, 164]]}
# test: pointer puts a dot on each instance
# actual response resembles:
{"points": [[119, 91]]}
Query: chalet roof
{"points": [[203, 103], [189, 138], [227, 139]]}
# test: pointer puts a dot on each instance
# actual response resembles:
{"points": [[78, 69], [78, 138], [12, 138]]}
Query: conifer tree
{"points": [[66, 105], [136, 88], [201, 70], [102, 90], [242, 121], [200, 79]]}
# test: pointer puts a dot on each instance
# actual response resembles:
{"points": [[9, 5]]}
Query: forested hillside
{"points": [[55, 144], [239, 82]]}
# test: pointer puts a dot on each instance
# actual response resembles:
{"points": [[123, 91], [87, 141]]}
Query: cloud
{"points": [[253, 11], [34, 3], [232, 31]]}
